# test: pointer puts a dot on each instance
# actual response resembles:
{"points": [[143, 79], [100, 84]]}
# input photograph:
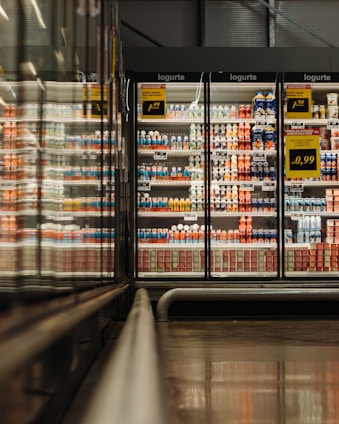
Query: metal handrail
{"points": [[229, 294], [130, 390], [33, 329]]}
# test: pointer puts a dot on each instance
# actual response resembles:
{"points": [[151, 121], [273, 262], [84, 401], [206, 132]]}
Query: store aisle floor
{"points": [[247, 372]]}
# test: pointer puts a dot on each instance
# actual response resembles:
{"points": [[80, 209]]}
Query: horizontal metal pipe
{"points": [[215, 294], [130, 390], [30, 340]]}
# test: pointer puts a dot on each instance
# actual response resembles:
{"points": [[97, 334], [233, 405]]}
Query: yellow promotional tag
{"points": [[299, 101], [153, 101], [99, 97], [302, 153]]}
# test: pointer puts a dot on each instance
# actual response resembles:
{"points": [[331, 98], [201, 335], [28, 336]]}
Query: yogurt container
{"points": [[270, 105], [332, 99], [259, 105], [332, 112]]}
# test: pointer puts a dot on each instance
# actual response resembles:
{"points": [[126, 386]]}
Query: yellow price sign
{"points": [[302, 153], [299, 101], [99, 98], [153, 101]]}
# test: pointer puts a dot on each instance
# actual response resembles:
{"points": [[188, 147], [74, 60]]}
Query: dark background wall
{"points": [[229, 23]]}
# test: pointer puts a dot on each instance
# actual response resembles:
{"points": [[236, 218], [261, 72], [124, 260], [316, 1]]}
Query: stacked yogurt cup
{"points": [[332, 105]]}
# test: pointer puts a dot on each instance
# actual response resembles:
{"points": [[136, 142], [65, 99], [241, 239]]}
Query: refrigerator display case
{"points": [[311, 176], [171, 178], [243, 175], [207, 167], [256, 196]]}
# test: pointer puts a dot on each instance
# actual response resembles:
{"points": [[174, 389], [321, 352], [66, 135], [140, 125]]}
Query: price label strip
{"points": [[247, 187], [297, 188], [268, 186], [297, 125], [190, 216], [160, 156], [259, 157], [144, 186], [333, 125], [303, 153]]}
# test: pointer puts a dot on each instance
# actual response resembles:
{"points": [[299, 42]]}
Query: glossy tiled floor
{"points": [[251, 372]]}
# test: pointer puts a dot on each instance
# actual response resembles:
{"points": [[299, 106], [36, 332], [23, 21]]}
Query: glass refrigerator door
{"points": [[170, 177], [56, 145], [311, 187], [243, 176]]}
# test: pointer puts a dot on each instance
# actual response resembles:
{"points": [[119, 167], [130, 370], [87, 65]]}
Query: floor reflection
{"points": [[242, 372]]}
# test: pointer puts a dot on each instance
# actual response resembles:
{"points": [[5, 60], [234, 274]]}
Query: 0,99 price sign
{"points": [[306, 160], [302, 153]]}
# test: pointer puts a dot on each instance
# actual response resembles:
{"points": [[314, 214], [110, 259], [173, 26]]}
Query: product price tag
{"points": [[259, 157], [190, 216], [99, 101], [144, 186], [299, 101], [268, 186], [6, 185], [303, 153], [296, 188], [218, 155], [295, 217], [261, 123], [153, 101], [160, 156], [60, 217], [333, 124], [247, 187], [109, 186], [297, 125]]}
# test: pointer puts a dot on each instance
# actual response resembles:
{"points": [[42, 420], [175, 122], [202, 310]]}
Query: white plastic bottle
{"points": [[259, 105], [270, 105]]}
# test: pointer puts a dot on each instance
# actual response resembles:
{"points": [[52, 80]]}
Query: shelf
{"points": [[214, 246], [171, 246], [165, 183], [67, 215], [246, 246], [80, 151], [56, 244], [161, 214], [45, 119], [185, 121], [313, 122], [170, 152], [171, 274], [320, 274], [224, 152], [239, 214], [312, 183], [195, 152], [244, 183], [316, 213], [257, 274]]}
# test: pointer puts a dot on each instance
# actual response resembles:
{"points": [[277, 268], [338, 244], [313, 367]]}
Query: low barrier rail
{"points": [[229, 294], [130, 390]]}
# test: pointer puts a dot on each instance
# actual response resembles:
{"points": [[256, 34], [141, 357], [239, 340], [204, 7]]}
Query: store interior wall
{"points": [[229, 23]]}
